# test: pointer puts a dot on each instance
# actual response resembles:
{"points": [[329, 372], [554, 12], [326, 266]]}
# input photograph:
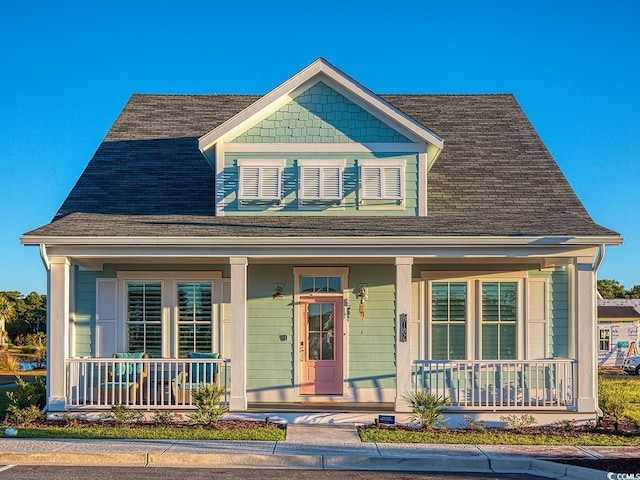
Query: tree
{"points": [[7, 311], [611, 289], [634, 292]]}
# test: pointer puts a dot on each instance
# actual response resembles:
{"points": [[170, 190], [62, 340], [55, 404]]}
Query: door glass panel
{"points": [[314, 346], [327, 345], [314, 317]]}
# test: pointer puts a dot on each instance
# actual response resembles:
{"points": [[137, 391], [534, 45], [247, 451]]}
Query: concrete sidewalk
{"points": [[328, 447]]}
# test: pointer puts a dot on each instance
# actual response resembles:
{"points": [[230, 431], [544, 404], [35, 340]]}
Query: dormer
{"points": [[321, 143]]}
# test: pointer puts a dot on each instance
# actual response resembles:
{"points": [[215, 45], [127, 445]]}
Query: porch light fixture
{"points": [[279, 290]]}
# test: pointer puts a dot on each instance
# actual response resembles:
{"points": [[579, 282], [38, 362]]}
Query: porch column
{"points": [[585, 335], [238, 400], [58, 291], [403, 321]]}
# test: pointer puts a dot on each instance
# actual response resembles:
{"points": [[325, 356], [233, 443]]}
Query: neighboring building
{"points": [[618, 322], [334, 246]]}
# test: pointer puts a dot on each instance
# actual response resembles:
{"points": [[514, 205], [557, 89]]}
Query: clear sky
{"points": [[68, 68]]}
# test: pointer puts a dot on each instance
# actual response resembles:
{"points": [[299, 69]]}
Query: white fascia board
{"points": [[281, 95], [423, 241]]}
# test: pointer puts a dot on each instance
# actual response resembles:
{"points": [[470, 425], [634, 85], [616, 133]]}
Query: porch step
{"points": [[333, 407], [324, 434]]}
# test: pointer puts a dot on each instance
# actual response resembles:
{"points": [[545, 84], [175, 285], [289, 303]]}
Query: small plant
{"points": [[426, 408], [518, 423], [565, 425], [613, 401], [9, 363], [207, 401], [123, 414], [164, 417], [27, 401], [474, 424]]}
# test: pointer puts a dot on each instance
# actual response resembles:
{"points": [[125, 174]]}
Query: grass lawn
{"points": [[493, 437], [153, 433]]}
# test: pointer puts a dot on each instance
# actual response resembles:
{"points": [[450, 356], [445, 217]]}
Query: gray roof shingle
{"points": [[494, 177], [611, 311]]}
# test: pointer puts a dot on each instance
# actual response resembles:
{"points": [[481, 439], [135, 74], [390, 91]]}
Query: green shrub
{"points": [[612, 399], [207, 401], [123, 414], [426, 408], [27, 401], [164, 417], [9, 363], [518, 423], [474, 424]]}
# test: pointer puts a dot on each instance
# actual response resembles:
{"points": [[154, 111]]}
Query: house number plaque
{"points": [[403, 327]]}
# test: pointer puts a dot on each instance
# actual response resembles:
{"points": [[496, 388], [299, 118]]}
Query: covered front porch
{"points": [[374, 317]]}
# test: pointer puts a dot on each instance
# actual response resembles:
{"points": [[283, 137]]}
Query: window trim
{"points": [[260, 164], [169, 281]]}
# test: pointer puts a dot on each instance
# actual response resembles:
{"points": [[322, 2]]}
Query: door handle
{"points": [[301, 351]]}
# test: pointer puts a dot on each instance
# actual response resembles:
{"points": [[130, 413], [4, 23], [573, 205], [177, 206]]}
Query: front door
{"points": [[321, 346]]}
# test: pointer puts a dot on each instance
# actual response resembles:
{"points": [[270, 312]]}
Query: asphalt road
{"points": [[135, 473]]}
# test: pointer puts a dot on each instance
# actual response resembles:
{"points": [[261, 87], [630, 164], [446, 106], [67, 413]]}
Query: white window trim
{"points": [[168, 281], [474, 307], [259, 164], [326, 202], [381, 163]]}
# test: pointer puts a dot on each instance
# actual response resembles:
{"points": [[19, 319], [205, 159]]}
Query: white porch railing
{"points": [[498, 384], [146, 383]]}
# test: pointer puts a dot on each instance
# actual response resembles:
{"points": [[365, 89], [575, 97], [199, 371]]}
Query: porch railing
{"points": [[146, 383], [498, 384]]}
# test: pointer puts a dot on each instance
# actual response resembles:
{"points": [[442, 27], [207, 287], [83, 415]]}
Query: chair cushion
{"points": [[203, 372], [124, 372]]}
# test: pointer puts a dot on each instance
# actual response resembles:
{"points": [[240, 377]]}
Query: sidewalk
{"points": [[326, 447]]}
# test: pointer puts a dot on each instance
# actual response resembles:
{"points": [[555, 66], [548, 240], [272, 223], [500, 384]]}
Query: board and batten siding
{"points": [[290, 185]]}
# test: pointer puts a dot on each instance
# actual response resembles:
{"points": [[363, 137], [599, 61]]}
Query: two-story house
{"points": [[332, 246]]}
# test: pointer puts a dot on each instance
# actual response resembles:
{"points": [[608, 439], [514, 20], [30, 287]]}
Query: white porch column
{"points": [[58, 291], [403, 342], [585, 334], [238, 400]]}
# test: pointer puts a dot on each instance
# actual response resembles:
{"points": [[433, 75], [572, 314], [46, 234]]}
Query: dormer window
{"points": [[260, 179], [321, 180], [382, 180]]}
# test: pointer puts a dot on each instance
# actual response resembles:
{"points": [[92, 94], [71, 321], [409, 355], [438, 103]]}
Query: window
{"points": [[320, 284], [144, 318], [260, 179], [381, 180], [321, 179], [499, 312], [448, 320], [604, 339], [170, 314], [195, 317]]}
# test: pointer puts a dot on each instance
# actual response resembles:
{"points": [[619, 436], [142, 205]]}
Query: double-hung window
{"points": [[448, 320], [321, 180], [260, 179], [144, 317], [499, 315], [382, 179], [195, 317]]}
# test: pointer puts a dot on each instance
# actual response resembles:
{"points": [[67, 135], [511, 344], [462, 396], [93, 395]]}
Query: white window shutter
{"points": [[331, 183], [392, 183], [249, 183], [106, 325], [270, 183], [537, 319], [371, 183], [310, 178]]}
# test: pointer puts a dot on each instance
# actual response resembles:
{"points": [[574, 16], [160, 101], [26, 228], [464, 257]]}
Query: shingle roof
{"points": [[494, 177], [608, 311]]}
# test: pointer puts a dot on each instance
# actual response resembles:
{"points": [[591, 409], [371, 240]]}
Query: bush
{"points": [[612, 400], [123, 414], [518, 423], [426, 408], [474, 424], [164, 417], [27, 401], [9, 363], [207, 401]]}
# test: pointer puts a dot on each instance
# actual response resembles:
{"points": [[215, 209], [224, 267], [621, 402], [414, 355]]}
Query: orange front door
{"points": [[321, 346]]}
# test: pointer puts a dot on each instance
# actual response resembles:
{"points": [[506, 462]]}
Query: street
{"points": [[135, 473]]}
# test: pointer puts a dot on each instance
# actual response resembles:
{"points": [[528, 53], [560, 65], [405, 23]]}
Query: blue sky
{"points": [[68, 68]]}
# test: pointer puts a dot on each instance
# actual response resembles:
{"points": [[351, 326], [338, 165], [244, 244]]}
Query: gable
{"points": [[321, 115]]}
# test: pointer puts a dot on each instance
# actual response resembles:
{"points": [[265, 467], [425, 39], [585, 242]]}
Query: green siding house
{"points": [[319, 248]]}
